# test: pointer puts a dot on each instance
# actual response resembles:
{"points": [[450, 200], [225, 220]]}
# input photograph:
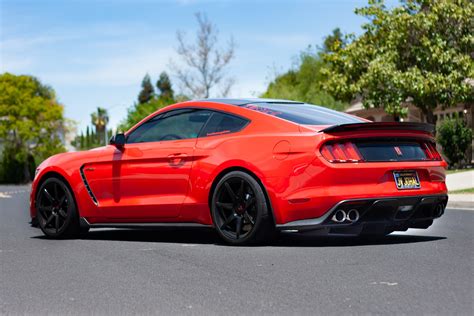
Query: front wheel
{"points": [[239, 209], [56, 209]]}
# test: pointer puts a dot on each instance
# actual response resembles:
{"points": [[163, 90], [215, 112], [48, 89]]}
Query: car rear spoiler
{"points": [[376, 126]]}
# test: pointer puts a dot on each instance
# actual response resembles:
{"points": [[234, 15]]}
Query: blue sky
{"points": [[95, 53]]}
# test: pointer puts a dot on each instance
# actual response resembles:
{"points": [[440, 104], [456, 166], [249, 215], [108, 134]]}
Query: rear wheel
{"points": [[56, 210], [239, 209]]}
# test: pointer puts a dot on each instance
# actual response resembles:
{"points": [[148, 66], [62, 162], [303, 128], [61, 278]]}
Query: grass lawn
{"points": [[463, 191], [457, 170]]}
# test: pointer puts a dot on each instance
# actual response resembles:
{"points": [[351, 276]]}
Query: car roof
{"points": [[245, 101]]}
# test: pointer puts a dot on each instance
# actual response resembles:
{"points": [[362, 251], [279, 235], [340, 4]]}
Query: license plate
{"points": [[406, 180]]}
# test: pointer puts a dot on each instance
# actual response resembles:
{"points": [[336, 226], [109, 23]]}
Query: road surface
{"points": [[190, 272]]}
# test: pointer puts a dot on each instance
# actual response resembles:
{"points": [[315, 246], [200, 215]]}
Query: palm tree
{"points": [[100, 119]]}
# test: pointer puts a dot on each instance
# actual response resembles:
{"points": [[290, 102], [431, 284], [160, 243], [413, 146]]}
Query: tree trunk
{"points": [[428, 113], [430, 116], [26, 172]]}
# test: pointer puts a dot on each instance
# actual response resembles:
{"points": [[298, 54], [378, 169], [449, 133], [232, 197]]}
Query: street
{"points": [[183, 271]]}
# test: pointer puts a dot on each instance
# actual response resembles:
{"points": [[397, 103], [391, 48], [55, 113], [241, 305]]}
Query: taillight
{"points": [[379, 150], [431, 152], [340, 152]]}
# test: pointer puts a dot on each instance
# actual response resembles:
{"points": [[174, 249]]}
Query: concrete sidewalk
{"points": [[461, 201], [460, 180]]}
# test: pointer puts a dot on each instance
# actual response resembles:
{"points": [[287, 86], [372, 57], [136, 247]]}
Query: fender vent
{"points": [[86, 184]]}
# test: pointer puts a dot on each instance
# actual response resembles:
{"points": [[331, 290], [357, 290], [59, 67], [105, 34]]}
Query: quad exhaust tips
{"points": [[342, 216]]}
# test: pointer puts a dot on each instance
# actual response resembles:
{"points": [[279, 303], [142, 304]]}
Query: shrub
{"points": [[455, 137]]}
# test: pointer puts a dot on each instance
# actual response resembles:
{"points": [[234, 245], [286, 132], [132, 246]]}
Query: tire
{"points": [[239, 210], [56, 209]]}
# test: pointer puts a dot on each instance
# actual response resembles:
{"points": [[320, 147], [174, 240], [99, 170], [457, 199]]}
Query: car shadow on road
{"points": [[209, 236]]}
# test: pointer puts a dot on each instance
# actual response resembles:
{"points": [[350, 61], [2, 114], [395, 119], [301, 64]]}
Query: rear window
{"points": [[391, 151], [302, 113]]}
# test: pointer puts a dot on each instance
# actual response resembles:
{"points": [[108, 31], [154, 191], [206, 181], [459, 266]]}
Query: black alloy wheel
{"points": [[56, 209], [239, 209]]}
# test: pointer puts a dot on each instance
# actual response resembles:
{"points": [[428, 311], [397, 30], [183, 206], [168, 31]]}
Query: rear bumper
{"points": [[376, 214]]}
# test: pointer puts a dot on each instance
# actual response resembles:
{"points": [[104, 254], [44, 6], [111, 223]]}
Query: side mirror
{"points": [[118, 140]]}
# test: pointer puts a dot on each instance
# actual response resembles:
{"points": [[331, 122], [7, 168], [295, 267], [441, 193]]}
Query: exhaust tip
{"points": [[339, 216], [353, 215]]}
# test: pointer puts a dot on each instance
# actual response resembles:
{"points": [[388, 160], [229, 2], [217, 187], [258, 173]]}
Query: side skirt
{"points": [[85, 223]]}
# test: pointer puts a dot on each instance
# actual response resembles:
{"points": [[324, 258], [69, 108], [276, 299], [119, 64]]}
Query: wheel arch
{"points": [[222, 173]]}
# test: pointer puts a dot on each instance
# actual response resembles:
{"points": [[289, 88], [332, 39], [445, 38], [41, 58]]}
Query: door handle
{"points": [[178, 155], [177, 160]]}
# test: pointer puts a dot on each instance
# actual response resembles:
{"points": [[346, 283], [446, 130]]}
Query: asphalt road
{"points": [[189, 271]]}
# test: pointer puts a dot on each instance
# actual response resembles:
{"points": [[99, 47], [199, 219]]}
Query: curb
{"points": [[459, 204]]}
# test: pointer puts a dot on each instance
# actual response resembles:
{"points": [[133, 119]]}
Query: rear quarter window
{"points": [[222, 123]]}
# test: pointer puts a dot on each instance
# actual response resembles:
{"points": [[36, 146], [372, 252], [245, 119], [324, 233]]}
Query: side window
{"points": [[221, 123], [172, 125]]}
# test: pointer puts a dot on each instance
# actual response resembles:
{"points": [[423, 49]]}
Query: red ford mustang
{"points": [[248, 167]]}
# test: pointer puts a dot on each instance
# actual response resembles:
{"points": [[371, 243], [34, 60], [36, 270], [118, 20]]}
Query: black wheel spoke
{"points": [[240, 193], [56, 196], [56, 224], [231, 192], [249, 218], [49, 220], [238, 226], [249, 203], [48, 196], [229, 220], [62, 213], [225, 206], [61, 201], [43, 210], [221, 211]]}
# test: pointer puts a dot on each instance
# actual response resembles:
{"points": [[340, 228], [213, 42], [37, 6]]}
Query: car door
{"points": [[148, 178]]}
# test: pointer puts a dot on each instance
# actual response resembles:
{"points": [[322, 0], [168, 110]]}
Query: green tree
{"points": [[88, 139], [334, 41], [419, 52], [139, 110], [147, 92], [455, 137], [99, 119], [82, 141], [31, 124], [164, 86], [303, 83]]}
